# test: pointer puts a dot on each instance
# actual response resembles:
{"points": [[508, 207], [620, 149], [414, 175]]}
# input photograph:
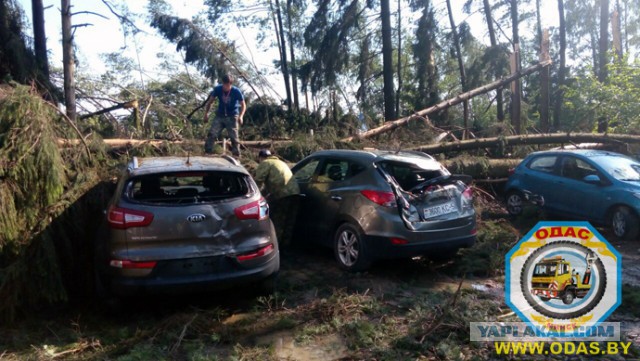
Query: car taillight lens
{"points": [[255, 254], [255, 210], [123, 218], [398, 241], [386, 199], [511, 171], [467, 194], [127, 264]]}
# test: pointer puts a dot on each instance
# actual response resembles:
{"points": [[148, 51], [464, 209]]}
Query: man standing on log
{"points": [[231, 108]]}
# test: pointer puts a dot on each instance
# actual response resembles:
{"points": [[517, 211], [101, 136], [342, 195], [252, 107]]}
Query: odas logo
{"points": [[563, 275]]}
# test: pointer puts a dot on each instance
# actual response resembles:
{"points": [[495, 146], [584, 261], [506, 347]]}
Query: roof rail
{"points": [[230, 159], [417, 152], [134, 163]]}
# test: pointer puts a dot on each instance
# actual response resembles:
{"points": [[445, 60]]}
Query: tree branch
{"points": [[73, 125], [89, 13], [123, 19]]}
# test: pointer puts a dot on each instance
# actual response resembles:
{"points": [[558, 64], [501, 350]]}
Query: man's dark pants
{"points": [[219, 123], [284, 212]]}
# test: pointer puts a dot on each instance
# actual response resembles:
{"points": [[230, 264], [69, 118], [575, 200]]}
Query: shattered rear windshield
{"points": [[409, 175], [187, 187]]}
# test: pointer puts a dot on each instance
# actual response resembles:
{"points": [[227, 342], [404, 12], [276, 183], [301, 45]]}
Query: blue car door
{"points": [[575, 197], [539, 178]]}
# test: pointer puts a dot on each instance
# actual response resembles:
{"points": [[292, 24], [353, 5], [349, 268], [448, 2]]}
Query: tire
{"points": [[268, 286], [568, 296], [515, 203], [624, 223], [350, 250], [544, 299]]}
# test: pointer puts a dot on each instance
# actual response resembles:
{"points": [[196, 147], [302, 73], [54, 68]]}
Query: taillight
{"points": [[127, 264], [255, 210], [467, 194], [386, 199], [255, 254], [398, 241], [123, 218], [511, 171]]}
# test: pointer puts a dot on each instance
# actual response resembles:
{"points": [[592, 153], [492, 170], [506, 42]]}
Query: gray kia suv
{"points": [[186, 224], [370, 205]]}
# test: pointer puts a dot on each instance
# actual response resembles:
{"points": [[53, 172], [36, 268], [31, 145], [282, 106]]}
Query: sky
{"points": [[105, 35]]}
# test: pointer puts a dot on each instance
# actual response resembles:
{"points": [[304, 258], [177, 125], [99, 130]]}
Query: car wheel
{"points": [[268, 285], [515, 202], [350, 250], [568, 297], [624, 223]]}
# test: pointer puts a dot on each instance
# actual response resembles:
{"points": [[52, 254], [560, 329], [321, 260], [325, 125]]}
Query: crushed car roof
{"points": [[139, 166], [420, 159]]}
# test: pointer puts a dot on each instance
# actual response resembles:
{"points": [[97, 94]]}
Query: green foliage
{"points": [[39, 187], [32, 173], [424, 53], [486, 257], [327, 37], [17, 61], [200, 51], [617, 100]]}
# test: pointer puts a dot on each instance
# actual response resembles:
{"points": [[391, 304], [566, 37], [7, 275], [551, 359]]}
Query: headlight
{"points": [[637, 195]]}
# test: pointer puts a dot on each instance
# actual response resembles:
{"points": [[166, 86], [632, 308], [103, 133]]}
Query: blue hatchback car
{"points": [[598, 186]]}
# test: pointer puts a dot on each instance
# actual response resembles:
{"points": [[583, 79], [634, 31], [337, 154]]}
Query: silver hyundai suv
{"points": [[186, 224], [370, 205]]}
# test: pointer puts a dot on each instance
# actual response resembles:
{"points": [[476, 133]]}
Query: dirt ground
{"points": [[399, 310]]}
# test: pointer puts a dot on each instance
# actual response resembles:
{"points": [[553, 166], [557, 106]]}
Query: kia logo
{"points": [[195, 218]]}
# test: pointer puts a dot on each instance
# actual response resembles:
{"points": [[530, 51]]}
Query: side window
{"points": [[543, 164], [564, 269], [333, 170], [575, 168], [305, 173]]}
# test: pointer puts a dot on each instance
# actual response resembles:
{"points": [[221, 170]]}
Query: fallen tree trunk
{"points": [[123, 143], [450, 102], [555, 138], [480, 167]]}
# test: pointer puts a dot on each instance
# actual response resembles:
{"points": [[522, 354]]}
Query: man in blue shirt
{"points": [[231, 108]]}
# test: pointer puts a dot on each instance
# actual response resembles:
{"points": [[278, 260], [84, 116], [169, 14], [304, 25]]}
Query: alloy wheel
{"points": [[619, 223], [348, 248], [514, 204]]}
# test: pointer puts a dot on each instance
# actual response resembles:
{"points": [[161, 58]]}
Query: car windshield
{"points": [[620, 167], [187, 187]]}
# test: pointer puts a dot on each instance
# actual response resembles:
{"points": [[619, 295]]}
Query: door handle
{"points": [[336, 198], [302, 195]]}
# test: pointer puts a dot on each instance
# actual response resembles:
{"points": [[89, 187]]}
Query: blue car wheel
{"points": [[624, 223], [515, 202]]}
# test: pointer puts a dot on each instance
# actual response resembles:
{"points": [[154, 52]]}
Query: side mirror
{"points": [[592, 179]]}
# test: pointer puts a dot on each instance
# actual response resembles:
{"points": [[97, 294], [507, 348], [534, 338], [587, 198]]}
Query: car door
{"points": [[304, 173], [329, 192], [539, 177], [575, 197]]}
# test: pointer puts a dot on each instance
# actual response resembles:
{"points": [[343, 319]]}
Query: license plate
{"points": [[439, 210], [197, 266]]}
